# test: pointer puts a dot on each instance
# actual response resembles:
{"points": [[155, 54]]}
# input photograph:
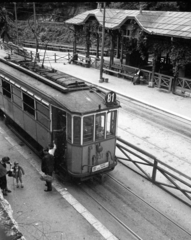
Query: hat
{"points": [[15, 163], [5, 159]]}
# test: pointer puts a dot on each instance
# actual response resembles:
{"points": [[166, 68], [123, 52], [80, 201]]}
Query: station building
{"points": [[157, 42]]}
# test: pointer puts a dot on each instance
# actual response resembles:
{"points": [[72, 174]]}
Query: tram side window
{"points": [[100, 126], [69, 127], [77, 130], [111, 123], [6, 89], [17, 96], [88, 126], [28, 103]]}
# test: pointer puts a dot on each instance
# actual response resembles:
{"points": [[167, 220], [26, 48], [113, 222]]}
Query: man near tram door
{"points": [[52, 148], [47, 167]]}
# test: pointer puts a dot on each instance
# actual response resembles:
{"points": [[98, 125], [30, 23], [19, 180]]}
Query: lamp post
{"points": [[102, 47], [15, 7]]}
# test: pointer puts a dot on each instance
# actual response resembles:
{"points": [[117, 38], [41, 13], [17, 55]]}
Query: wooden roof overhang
{"points": [[160, 23]]}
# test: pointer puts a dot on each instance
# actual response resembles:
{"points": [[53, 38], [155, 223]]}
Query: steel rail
{"points": [[152, 207], [116, 218]]}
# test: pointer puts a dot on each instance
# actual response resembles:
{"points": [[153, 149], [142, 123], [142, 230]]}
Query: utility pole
{"points": [[34, 10], [15, 7], [102, 47]]}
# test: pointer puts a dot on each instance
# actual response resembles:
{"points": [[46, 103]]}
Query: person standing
{"points": [[18, 173], [3, 179], [47, 167]]}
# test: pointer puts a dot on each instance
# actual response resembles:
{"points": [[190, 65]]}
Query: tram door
{"points": [[59, 134]]}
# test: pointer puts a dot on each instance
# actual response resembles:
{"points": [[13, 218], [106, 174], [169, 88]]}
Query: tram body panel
{"points": [[43, 136], [74, 159], [18, 116], [8, 108], [82, 161]]}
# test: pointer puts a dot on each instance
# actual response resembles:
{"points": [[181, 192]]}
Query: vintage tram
{"points": [[51, 105]]}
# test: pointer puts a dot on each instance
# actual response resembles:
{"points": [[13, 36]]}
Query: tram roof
{"points": [[82, 101], [165, 23]]}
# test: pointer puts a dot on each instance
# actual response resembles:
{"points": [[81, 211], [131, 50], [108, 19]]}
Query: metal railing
{"points": [[148, 166]]}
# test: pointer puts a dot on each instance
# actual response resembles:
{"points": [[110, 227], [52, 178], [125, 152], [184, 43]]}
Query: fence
{"points": [[51, 57], [154, 170], [183, 86], [163, 81]]}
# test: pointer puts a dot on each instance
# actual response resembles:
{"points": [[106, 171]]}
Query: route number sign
{"points": [[110, 98]]}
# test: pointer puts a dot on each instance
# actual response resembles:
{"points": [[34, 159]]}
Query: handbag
{"points": [[46, 178], [10, 173]]}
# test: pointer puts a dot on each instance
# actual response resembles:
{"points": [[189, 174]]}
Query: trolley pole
{"points": [[15, 7], [102, 47]]}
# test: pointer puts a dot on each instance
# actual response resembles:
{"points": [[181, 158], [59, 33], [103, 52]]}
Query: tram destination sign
{"points": [[99, 167]]}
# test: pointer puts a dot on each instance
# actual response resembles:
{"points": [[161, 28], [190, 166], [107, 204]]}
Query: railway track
{"points": [[93, 193], [170, 121], [130, 232]]}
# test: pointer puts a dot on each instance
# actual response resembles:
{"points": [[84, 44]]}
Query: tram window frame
{"points": [[69, 127], [100, 133], [17, 96], [76, 130], [42, 108], [28, 104], [111, 124], [43, 114], [6, 87], [89, 129]]}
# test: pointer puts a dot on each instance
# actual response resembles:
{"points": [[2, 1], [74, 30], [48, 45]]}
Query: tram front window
{"points": [[77, 130], [100, 126], [88, 129], [111, 123]]}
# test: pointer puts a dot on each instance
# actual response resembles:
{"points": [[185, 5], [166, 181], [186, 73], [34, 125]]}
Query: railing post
{"points": [[154, 170], [55, 57], [68, 54]]}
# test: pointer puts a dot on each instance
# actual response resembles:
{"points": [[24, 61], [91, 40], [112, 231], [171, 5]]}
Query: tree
{"points": [[6, 25]]}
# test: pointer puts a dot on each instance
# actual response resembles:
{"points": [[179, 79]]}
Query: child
{"points": [[18, 173]]}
